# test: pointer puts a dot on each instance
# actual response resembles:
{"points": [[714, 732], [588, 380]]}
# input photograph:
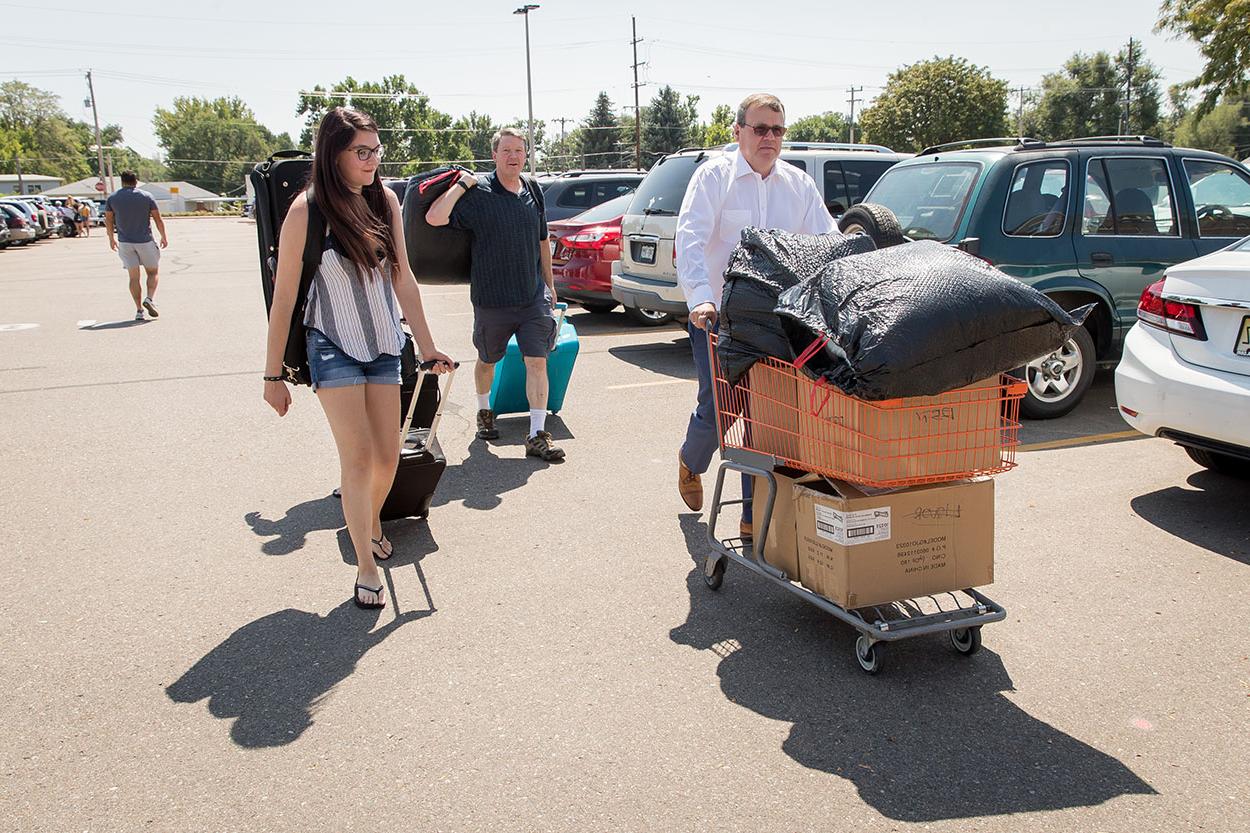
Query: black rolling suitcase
{"points": [[421, 460]]}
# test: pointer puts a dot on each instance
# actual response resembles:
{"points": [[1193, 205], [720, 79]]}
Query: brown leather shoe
{"points": [[690, 485], [746, 529]]}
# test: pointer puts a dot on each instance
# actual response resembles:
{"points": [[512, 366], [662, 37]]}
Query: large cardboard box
{"points": [[858, 549], [772, 410], [781, 549], [887, 443]]}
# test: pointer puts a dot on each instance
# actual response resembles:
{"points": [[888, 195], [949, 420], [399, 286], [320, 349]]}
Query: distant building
{"points": [[170, 196], [30, 183]]}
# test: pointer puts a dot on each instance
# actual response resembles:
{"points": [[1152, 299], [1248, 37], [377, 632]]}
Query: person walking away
{"points": [[128, 214], [353, 320], [749, 186], [511, 285], [84, 217]]}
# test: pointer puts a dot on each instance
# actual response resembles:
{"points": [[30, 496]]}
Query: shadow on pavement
{"points": [[114, 325], [670, 358], [289, 532], [482, 478], [270, 675], [1201, 515], [615, 323], [932, 738]]}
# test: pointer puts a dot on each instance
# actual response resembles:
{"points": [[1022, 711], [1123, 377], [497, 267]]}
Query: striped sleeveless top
{"points": [[360, 317]]}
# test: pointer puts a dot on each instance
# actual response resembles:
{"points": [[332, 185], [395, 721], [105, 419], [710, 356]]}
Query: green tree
{"points": [[565, 153], [478, 130], [416, 135], [827, 127], [720, 130], [941, 100], [1221, 28], [669, 123], [600, 136], [35, 129], [1087, 98], [1225, 129], [213, 143]]}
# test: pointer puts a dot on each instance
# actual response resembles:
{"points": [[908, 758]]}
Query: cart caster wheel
{"points": [[870, 657], [713, 572], [966, 641]]}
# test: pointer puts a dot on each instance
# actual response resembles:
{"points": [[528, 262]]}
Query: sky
{"points": [[809, 53]]}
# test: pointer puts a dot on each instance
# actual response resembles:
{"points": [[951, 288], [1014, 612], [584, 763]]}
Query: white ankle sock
{"points": [[538, 421], [483, 401]]}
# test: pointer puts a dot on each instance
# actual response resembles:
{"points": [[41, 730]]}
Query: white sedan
{"points": [[1185, 374]]}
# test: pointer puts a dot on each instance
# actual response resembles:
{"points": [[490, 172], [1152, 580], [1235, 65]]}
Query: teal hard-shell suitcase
{"points": [[507, 392]]}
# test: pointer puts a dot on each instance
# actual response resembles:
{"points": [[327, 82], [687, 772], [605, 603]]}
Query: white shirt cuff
{"points": [[701, 295]]}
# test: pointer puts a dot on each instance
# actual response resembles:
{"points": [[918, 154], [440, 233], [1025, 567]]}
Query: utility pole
{"points": [[1020, 114], [562, 120], [17, 163], [529, 84], [637, 107], [853, 91], [99, 143], [1128, 97]]}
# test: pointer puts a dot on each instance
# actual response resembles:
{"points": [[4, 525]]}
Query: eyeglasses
{"points": [[364, 153], [763, 130]]}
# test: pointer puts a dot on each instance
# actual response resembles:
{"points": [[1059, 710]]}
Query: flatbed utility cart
{"points": [[762, 431]]}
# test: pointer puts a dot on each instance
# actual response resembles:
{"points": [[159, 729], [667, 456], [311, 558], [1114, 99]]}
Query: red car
{"points": [[583, 249]]}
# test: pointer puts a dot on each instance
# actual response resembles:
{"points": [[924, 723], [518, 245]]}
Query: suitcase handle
{"points": [[561, 309], [422, 369]]}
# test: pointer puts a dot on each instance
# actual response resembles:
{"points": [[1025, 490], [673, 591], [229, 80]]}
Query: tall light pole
{"points": [[529, 85]]}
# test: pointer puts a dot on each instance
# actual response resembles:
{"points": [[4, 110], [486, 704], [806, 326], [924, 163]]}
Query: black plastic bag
{"points": [[766, 263], [919, 320]]}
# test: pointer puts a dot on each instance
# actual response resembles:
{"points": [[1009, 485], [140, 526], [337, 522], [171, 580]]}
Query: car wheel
{"points": [[599, 309], [1058, 381], [876, 221], [648, 317], [1222, 463]]}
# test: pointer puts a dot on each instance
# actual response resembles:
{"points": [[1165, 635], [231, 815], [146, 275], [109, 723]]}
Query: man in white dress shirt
{"points": [[751, 186]]}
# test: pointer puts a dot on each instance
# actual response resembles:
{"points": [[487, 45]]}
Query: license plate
{"points": [[644, 252], [1242, 347]]}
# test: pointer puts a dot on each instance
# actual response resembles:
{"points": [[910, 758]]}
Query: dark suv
{"points": [[1086, 220], [572, 192]]}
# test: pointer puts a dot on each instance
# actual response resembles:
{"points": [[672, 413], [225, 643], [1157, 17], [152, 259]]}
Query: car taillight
{"points": [[595, 237], [1174, 316], [17, 222]]}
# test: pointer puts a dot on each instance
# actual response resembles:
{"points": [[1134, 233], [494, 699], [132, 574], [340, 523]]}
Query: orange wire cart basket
{"points": [[778, 416]]}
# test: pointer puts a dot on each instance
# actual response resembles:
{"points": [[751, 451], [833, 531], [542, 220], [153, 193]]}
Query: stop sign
{"points": [[99, 186]]}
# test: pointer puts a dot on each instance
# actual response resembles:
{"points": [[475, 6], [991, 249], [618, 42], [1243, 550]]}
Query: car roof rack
{"points": [[996, 141], [597, 172], [1083, 141]]}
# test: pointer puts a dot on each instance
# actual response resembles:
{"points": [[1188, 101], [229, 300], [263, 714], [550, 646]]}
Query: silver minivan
{"points": [[646, 275]]}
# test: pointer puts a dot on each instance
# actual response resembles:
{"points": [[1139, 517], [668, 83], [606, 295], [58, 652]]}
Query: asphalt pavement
{"points": [[180, 650]]}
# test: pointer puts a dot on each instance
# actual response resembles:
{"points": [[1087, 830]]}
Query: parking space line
{"points": [[650, 384], [1071, 442]]}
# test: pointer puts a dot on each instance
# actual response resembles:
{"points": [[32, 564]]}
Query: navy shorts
{"points": [[533, 325], [330, 367]]}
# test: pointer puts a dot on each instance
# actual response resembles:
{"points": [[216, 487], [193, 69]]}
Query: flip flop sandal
{"points": [[367, 589], [379, 554]]}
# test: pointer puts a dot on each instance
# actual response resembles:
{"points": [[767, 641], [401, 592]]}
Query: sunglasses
{"points": [[364, 153], [763, 130]]}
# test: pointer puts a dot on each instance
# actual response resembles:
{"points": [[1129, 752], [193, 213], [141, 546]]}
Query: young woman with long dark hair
{"points": [[354, 333]]}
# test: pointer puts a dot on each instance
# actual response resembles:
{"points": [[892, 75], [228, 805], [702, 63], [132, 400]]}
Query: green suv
{"points": [[1094, 220]]}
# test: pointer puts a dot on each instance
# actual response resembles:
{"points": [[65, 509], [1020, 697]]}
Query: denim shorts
{"points": [[330, 367]]}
